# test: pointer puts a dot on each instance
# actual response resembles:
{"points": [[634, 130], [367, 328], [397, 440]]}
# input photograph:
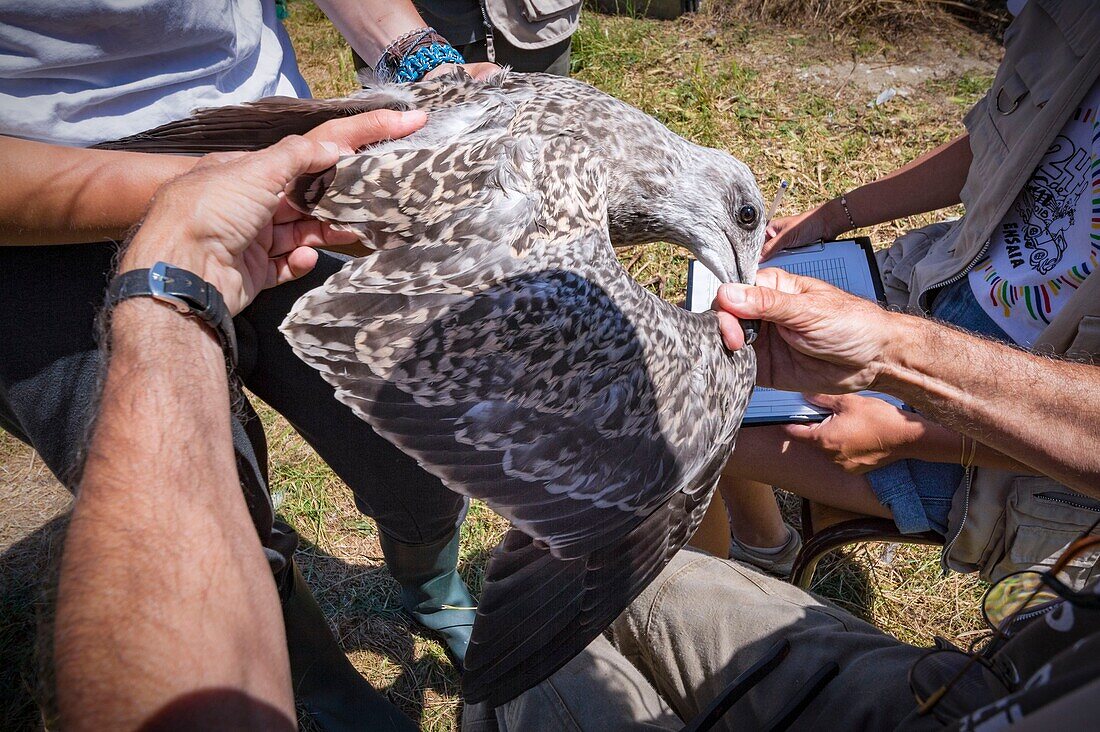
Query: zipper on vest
{"points": [[490, 42], [967, 481], [952, 280], [1062, 498]]}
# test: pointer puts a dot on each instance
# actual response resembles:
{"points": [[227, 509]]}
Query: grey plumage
{"points": [[495, 337]]}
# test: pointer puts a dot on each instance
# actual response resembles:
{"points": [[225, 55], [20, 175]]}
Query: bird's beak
{"points": [[736, 262], [731, 261]]}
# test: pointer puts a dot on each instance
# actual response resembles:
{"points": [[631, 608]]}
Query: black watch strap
{"points": [[188, 293]]}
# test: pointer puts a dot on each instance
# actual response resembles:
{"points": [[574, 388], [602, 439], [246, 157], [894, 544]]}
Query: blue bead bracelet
{"points": [[416, 64]]}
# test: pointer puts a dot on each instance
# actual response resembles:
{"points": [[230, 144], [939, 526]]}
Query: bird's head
{"points": [[725, 227], [707, 201]]}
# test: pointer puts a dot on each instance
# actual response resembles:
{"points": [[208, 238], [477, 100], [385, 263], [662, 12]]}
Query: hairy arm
{"points": [[1037, 410], [66, 195], [167, 612], [1033, 410], [166, 606]]}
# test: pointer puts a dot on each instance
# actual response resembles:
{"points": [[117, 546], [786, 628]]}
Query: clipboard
{"points": [[849, 264]]}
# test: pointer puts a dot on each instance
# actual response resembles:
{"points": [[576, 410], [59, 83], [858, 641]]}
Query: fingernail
{"points": [[414, 115], [331, 147], [734, 294]]}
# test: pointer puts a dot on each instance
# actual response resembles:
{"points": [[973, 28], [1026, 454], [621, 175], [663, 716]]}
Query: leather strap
{"points": [[188, 293]]}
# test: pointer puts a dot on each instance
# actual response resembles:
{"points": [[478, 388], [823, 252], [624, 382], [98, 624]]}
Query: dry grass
{"points": [[783, 98], [880, 17]]}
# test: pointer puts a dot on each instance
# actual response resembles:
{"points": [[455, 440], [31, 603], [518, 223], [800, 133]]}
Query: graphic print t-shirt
{"points": [[1049, 241]]}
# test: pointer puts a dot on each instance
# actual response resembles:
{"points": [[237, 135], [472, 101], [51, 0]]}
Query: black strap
{"points": [[737, 688], [186, 291]]}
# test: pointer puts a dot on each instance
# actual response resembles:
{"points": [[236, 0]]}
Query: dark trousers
{"points": [[49, 367]]}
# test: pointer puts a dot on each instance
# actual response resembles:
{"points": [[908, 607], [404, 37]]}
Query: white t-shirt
{"points": [[1049, 241], [79, 72]]}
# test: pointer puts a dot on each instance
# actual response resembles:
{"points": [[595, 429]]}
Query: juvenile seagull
{"points": [[495, 337]]}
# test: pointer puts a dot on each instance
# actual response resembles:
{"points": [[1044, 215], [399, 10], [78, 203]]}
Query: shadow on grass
{"points": [[362, 604], [845, 581], [360, 601], [27, 569]]}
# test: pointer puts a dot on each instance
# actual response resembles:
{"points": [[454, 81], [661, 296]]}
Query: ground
{"points": [[794, 103]]}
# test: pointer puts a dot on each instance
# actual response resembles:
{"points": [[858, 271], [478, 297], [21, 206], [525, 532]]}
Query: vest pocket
{"points": [[1042, 519], [1086, 344], [542, 9]]}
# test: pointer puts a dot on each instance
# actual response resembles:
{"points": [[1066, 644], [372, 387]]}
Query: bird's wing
{"points": [[538, 611], [495, 338], [256, 125], [262, 123], [476, 340]]}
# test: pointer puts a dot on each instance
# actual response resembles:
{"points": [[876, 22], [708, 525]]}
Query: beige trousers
{"points": [[692, 631]]}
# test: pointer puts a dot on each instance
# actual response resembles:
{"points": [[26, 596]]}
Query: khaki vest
{"points": [[1002, 522], [534, 23]]}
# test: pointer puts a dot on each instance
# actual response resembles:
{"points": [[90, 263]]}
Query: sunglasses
{"points": [[955, 676]]}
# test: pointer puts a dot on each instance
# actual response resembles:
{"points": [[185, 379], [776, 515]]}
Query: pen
{"points": [[778, 199]]}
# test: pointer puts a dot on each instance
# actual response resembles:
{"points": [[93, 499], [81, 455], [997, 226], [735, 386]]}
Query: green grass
{"points": [[717, 80]]}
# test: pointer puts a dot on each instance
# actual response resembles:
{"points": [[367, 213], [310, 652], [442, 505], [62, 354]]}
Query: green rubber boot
{"points": [[431, 590]]}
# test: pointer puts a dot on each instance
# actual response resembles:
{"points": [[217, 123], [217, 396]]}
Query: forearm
{"points": [[1038, 411], [371, 25], [929, 183], [939, 444], [164, 590], [61, 195]]}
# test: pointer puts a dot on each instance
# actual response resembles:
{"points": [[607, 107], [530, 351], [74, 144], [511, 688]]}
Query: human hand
{"points": [[804, 228], [814, 338], [350, 134], [228, 220], [477, 70], [862, 433]]}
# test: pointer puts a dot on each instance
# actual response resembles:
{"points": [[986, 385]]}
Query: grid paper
{"points": [[831, 270]]}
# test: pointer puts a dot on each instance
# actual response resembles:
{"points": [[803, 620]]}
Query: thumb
{"points": [[351, 133], [757, 303], [275, 166], [799, 432], [297, 263]]}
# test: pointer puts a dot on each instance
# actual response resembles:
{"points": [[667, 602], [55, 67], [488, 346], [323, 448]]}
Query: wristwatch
{"points": [[185, 291]]}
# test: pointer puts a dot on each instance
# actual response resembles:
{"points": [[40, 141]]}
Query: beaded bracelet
{"points": [[416, 64], [844, 205], [414, 54]]}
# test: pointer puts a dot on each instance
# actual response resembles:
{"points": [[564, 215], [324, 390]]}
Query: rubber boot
{"points": [[332, 692], [432, 591]]}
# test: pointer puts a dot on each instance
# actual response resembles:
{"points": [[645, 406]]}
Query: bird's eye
{"points": [[747, 215]]}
